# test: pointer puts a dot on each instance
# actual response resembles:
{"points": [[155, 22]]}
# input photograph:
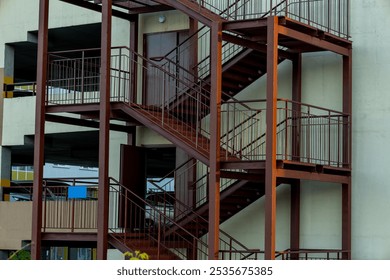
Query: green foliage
{"points": [[136, 256], [20, 255]]}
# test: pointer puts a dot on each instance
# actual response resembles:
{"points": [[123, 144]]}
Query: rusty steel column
{"points": [[296, 106], [347, 158], [271, 120], [295, 218], [39, 142], [104, 132], [296, 134], [193, 47], [134, 46], [215, 135]]}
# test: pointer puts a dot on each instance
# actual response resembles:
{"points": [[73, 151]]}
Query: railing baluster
{"points": [[82, 76]]}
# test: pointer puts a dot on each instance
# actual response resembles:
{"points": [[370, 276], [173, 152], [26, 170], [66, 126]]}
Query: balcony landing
{"points": [[294, 36], [286, 170]]}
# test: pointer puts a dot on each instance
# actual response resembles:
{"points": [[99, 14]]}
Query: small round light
{"points": [[161, 19]]}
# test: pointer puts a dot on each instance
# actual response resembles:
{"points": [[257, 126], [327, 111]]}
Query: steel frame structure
{"points": [[266, 35]]}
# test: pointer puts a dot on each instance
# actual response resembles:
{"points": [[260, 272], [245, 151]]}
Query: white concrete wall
{"points": [[20, 113], [17, 17], [371, 134]]}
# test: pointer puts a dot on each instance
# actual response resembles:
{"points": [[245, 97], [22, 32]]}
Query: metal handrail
{"points": [[190, 211], [166, 221]]}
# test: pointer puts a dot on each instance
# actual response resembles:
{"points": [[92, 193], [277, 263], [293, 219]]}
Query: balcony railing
{"points": [[305, 132], [328, 15]]}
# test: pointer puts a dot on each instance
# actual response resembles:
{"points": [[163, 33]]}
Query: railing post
{"points": [[329, 15], [308, 138], [198, 121], [44, 210], [73, 216], [74, 80], [329, 139], [125, 210], [340, 18], [82, 76], [120, 74], [286, 8], [286, 131], [159, 237], [348, 20], [163, 96]]}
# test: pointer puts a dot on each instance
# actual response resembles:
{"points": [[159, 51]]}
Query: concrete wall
{"points": [[371, 134], [15, 224]]}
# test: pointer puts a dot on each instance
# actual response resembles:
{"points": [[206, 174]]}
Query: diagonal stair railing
{"points": [[188, 196], [131, 224]]}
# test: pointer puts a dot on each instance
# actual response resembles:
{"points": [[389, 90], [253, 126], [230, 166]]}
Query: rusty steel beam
{"points": [[98, 8], [86, 123], [312, 176], [245, 24], [69, 237], [193, 10], [312, 40], [39, 147], [271, 122], [104, 131], [215, 138]]}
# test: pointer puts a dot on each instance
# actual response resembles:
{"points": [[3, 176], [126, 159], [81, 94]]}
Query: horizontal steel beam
{"points": [[311, 40], [98, 8], [312, 176], [86, 123]]}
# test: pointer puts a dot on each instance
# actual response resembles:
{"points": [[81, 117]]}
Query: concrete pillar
{"points": [[9, 62], [5, 170]]}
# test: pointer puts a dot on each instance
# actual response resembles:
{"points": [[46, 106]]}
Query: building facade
{"points": [[244, 109]]}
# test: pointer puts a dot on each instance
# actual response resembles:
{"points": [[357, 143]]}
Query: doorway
{"points": [[160, 75]]}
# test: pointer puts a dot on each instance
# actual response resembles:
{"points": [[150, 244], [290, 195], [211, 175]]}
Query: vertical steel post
{"points": [[215, 135], [296, 152], [295, 220], [347, 141], [193, 57], [39, 141], [271, 120], [296, 106], [104, 130], [133, 60]]}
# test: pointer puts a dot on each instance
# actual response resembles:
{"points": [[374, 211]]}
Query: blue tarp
{"points": [[77, 192]]}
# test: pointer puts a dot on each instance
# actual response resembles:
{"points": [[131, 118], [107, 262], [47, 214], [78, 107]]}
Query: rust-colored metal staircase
{"points": [[180, 113], [139, 224]]}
